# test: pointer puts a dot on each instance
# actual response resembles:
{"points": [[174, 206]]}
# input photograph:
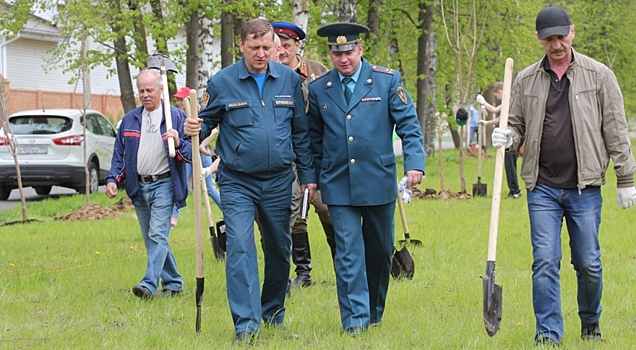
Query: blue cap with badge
{"points": [[288, 30], [342, 36]]}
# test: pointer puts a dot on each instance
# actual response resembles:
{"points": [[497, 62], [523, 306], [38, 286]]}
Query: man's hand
{"points": [[111, 189], [501, 138], [174, 134], [483, 122], [413, 177], [312, 190], [205, 172], [192, 126], [626, 197], [480, 99]]}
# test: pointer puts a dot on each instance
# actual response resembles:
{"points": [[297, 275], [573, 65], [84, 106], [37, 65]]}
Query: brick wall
{"points": [[21, 99]]}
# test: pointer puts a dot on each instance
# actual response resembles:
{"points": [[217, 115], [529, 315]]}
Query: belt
{"points": [[152, 178]]}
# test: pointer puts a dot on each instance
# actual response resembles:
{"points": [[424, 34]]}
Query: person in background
{"points": [[567, 109], [474, 124], [154, 182], [291, 36], [353, 110], [206, 160], [510, 158], [264, 130], [277, 50]]}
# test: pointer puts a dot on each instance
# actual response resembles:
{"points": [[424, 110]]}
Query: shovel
{"points": [[403, 265], [492, 291], [407, 236], [480, 189]]}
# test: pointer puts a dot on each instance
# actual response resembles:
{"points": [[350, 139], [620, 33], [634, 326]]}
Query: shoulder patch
{"points": [[321, 75], [383, 70]]}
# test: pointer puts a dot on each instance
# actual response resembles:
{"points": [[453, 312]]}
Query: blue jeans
{"points": [[547, 207], [154, 220], [206, 161], [271, 197]]}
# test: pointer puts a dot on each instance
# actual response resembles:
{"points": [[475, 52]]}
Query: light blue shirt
{"points": [[354, 79]]}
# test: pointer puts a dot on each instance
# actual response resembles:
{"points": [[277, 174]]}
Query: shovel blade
{"points": [[480, 189], [403, 265], [222, 238], [219, 254], [158, 59], [492, 301]]}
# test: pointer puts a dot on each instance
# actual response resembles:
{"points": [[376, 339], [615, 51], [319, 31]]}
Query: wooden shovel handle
{"points": [[166, 109], [196, 184], [405, 225], [499, 164]]}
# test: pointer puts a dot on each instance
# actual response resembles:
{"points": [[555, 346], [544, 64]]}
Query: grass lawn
{"points": [[67, 285]]}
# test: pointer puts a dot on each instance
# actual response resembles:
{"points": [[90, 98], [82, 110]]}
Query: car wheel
{"points": [[93, 180], [4, 193], [42, 190]]}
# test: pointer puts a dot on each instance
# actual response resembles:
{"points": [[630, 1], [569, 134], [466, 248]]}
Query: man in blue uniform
{"points": [[259, 107], [353, 110]]}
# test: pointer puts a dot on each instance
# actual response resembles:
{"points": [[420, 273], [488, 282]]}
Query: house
{"points": [[32, 82]]}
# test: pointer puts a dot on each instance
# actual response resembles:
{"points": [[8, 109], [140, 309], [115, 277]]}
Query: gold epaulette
{"points": [[383, 70]]}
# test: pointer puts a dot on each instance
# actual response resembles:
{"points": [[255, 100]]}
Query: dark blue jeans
{"points": [[582, 212]]}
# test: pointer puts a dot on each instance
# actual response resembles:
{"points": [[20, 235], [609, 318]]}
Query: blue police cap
{"points": [[343, 36], [288, 30]]}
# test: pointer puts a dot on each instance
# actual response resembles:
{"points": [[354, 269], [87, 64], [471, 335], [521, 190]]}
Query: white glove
{"points": [[405, 193], [205, 172], [501, 138], [480, 99], [483, 122], [626, 197]]}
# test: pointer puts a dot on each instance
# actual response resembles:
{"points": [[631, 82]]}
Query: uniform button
{"points": [[352, 161], [349, 117], [350, 138]]}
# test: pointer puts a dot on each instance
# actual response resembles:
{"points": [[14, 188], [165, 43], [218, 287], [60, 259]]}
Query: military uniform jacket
{"points": [[308, 70], [352, 144], [258, 135]]}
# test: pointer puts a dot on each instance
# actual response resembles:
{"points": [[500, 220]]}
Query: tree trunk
{"points": [[430, 121], [426, 57], [139, 35], [227, 39], [121, 61], [347, 11], [161, 42], [301, 19], [373, 20], [206, 60], [192, 53]]}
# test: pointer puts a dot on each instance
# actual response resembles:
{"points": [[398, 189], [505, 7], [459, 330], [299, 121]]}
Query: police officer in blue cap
{"points": [[353, 110]]}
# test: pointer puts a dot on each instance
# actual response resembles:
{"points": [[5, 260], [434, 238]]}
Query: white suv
{"points": [[51, 150]]}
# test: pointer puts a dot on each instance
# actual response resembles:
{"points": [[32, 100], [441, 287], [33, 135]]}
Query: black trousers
{"points": [[510, 163]]}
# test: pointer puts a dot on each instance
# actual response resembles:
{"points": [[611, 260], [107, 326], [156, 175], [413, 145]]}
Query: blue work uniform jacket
{"points": [[258, 135], [124, 161], [352, 144]]}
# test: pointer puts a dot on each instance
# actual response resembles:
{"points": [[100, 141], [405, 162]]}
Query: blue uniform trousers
{"points": [[364, 245], [271, 196]]}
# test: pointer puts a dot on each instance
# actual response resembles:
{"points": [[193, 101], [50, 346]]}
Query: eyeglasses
{"points": [[151, 128]]}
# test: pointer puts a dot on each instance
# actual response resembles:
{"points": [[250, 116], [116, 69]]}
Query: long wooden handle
{"points": [[196, 182], [166, 109], [499, 164], [405, 225]]}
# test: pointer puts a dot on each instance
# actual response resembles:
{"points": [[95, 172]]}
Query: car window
{"points": [[106, 126], [37, 125]]}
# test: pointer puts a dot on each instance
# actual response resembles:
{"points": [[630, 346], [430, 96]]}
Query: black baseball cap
{"points": [[553, 20]]}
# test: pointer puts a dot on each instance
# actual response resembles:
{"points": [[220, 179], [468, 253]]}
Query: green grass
{"points": [[67, 285]]}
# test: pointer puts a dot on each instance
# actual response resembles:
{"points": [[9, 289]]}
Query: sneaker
{"points": [[142, 292], [591, 332], [514, 195]]}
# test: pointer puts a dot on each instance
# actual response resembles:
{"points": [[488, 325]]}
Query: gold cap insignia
{"points": [[401, 94], [341, 39]]}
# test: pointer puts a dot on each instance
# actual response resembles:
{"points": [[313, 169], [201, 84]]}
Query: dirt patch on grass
{"points": [[97, 212]]}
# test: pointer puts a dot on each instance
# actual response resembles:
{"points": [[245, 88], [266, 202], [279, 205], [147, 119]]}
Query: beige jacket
{"points": [[598, 121]]}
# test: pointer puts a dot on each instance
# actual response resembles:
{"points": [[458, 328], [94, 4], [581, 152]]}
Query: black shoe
{"points": [[142, 292], [591, 332], [169, 293], [302, 281], [353, 331], [243, 338]]}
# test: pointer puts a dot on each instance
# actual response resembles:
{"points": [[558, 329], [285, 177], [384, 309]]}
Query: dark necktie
{"points": [[347, 91]]}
